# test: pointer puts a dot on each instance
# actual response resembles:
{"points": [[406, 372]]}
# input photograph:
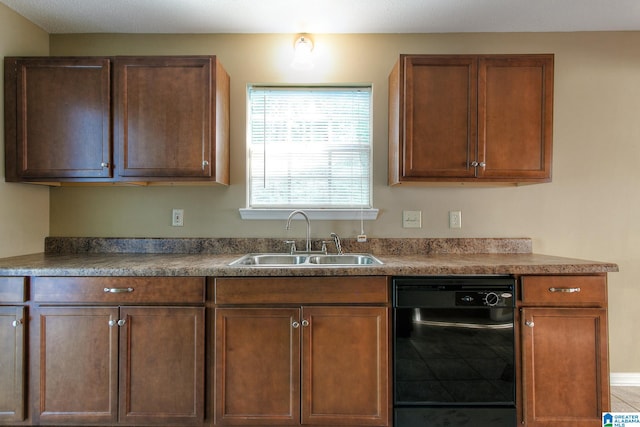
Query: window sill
{"points": [[314, 214]]}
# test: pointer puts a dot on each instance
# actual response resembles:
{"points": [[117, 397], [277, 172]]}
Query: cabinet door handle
{"points": [[295, 324], [104, 164], [305, 323], [117, 290], [16, 323], [529, 323], [120, 322], [565, 290]]}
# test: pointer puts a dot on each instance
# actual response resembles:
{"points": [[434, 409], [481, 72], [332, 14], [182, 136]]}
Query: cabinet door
{"points": [[515, 116], [163, 116], [76, 380], [438, 138], [162, 365], [12, 363], [62, 127], [257, 379], [345, 366], [565, 366]]}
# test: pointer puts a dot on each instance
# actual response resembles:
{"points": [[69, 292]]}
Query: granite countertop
{"points": [[210, 257]]}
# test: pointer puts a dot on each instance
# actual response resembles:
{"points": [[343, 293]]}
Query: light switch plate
{"points": [[411, 219]]}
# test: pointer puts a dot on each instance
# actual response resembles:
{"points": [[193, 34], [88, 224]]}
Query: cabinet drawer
{"points": [[12, 289], [119, 290], [302, 290], [564, 290]]}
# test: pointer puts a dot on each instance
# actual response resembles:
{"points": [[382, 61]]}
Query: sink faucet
{"points": [[336, 240], [288, 226]]}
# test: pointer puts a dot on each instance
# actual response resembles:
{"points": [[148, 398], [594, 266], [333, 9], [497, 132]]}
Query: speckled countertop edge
{"points": [[450, 257]]}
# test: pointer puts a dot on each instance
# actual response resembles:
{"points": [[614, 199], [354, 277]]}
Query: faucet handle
{"points": [[292, 245]]}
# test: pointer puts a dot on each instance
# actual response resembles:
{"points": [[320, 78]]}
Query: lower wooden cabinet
{"points": [[257, 366], [313, 365], [345, 365], [117, 350], [162, 365], [13, 323], [283, 351], [308, 364], [12, 368], [564, 345], [132, 365], [78, 365]]}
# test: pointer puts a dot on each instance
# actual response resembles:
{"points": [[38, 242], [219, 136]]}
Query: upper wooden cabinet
{"points": [[471, 118], [122, 119], [57, 118], [171, 118]]}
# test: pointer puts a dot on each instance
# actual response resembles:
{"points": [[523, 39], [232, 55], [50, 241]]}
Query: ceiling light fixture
{"points": [[302, 47]]}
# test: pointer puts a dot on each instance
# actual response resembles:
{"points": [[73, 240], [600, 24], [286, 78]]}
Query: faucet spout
{"points": [[306, 217], [336, 240]]}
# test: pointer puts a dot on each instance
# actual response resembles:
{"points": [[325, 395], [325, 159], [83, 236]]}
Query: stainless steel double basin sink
{"points": [[305, 260]]}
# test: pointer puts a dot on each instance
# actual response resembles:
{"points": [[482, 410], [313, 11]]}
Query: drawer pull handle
{"points": [[565, 290], [117, 290]]}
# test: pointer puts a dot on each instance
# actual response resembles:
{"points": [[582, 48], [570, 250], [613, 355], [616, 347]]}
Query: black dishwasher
{"points": [[454, 351]]}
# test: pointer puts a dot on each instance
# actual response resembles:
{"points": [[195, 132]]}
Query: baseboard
{"points": [[626, 379]]}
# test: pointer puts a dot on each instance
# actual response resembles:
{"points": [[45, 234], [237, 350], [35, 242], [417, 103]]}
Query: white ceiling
{"points": [[328, 16]]}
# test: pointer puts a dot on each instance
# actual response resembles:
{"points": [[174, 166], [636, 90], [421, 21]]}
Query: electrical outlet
{"points": [[411, 219], [177, 218], [455, 219]]}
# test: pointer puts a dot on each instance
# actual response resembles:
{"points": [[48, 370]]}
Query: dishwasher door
{"points": [[454, 362]]}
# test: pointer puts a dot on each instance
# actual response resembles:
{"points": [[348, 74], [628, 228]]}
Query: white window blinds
{"points": [[309, 147]]}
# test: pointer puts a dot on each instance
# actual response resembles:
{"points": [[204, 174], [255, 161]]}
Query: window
{"points": [[309, 147]]}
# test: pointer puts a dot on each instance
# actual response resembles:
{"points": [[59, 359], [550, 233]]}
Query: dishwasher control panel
{"points": [[452, 292], [497, 298]]}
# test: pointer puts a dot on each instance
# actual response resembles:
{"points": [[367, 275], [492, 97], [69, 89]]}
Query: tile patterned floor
{"points": [[625, 399]]}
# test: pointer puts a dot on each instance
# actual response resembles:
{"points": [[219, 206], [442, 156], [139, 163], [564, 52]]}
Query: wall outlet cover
{"points": [[455, 219]]}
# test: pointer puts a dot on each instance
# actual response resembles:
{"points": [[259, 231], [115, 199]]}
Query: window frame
{"points": [[280, 212]]}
